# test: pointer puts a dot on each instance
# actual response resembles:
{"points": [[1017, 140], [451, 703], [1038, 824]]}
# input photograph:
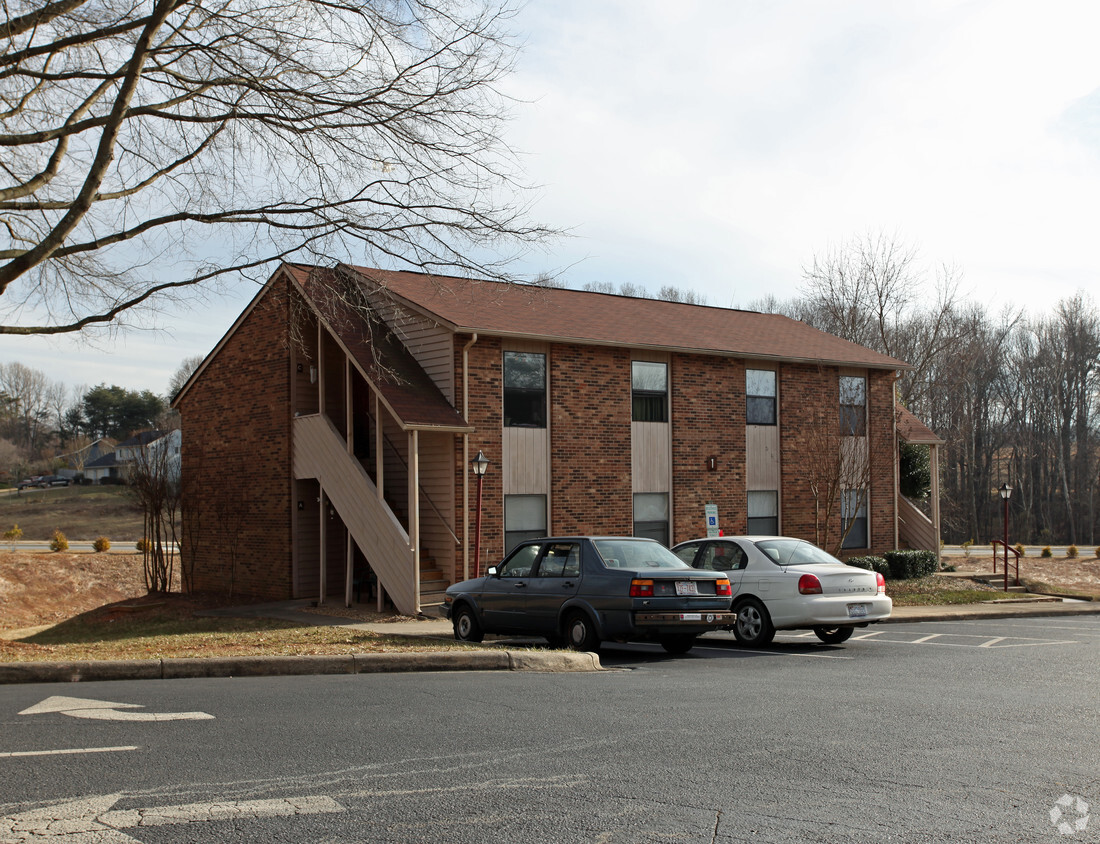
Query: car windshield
{"points": [[794, 552], [637, 554]]}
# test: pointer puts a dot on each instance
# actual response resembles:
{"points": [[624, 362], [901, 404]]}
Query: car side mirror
{"points": [[492, 571]]}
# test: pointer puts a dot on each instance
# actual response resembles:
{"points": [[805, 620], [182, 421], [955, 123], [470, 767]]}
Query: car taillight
{"points": [[881, 583], [808, 584], [722, 588], [641, 588]]}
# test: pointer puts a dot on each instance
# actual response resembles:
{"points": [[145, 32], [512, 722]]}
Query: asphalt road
{"points": [[967, 731]]}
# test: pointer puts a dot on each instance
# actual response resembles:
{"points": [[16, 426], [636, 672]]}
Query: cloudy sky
{"points": [[717, 145]]}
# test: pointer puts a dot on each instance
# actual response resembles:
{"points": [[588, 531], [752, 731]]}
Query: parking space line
{"points": [[771, 653], [992, 642], [13, 753], [926, 638], [869, 634]]}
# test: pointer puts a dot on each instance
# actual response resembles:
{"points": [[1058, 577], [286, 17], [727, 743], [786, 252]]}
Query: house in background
{"points": [[115, 466], [75, 461], [329, 434]]}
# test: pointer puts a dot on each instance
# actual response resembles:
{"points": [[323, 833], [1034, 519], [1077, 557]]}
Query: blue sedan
{"points": [[580, 590]]}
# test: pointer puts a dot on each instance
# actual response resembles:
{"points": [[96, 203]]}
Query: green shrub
{"points": [[906, 565], [1046, 552], [1020, 549], [143, 544], [1072, 552], [876, 564], [966, 548], [101, 544], [948, 568], [15, 533], [59, 542]]}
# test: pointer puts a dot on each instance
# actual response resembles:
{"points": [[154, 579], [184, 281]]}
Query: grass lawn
{"points": [[79, 512], [166, 626], [927, 591]]}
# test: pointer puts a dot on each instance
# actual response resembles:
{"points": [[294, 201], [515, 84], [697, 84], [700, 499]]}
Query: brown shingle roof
{"points": [[915, 432], [404, 385], [558, 315]]}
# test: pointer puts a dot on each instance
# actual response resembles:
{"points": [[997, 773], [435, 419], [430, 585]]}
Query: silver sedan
{"points": [[780, 583]]}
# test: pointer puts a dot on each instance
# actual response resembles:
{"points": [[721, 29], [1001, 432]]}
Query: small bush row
{"points": [[899, 565]]}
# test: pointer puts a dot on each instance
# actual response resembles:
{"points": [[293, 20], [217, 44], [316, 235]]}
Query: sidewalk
{"points": [[488, 659]]}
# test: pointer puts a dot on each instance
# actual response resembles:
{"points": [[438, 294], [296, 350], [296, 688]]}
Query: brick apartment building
{"points": [[328, 438]]}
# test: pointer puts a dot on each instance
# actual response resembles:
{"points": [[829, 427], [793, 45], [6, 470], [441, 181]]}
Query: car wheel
{"points": [[467, 627], [754, 625], [834, 635], [580, 633], [681, 643]]}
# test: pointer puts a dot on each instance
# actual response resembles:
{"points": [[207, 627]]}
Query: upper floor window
{"points": [[760, 396], [524, 390], [649, 391], [853, 406]]}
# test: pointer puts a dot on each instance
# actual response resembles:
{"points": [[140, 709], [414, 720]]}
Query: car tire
{"points": [[681, 643], [834, 635], [467, 627], [753, 626], [580, 632]]}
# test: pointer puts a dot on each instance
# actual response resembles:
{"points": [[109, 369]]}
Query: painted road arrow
{"points": [[92, 820], [105, 710]]}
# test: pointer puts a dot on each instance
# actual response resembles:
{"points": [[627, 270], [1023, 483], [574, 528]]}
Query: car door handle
{"points": [[520, 585], [568, 584]]}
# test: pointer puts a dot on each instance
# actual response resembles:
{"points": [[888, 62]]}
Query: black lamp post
{"points": [[479, 464], [1006, 493]]}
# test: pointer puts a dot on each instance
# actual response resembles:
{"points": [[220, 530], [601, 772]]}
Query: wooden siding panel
{"points": [[525, 460], [762, 456], [431, 345], [650, 457], [437, 485]]}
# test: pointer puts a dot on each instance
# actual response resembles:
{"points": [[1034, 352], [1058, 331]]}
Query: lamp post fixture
{"points": [[1006, 493], [479, 464]]}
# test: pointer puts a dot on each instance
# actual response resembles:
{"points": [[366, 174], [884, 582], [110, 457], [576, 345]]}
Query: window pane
{"points": [[525, 512], [647, 375], [650, 506], [648, 408], [853, 510], [759, 411], [760, 382], [853, 390], [524, 371], [764, 526], [763, 503]]}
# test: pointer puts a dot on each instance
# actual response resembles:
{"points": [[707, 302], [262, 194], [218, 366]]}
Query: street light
{"points": [[1006, 493], [479, 464]]}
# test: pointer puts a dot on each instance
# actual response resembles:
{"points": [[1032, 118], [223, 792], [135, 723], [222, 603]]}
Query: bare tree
{"points": [[186, 369], [28, 394], [136, 133], [155, 479]]}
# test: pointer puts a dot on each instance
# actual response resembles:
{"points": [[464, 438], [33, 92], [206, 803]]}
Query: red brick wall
{"points": [[590, 440], [708, 415], [236, 458], [804, 389]]}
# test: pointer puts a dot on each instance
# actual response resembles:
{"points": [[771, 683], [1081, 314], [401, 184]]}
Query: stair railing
{"points": [[1015, 553]]}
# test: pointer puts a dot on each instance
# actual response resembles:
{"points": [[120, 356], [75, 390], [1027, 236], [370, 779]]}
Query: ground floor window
{"points": [[524, 518], [853, 511], [651, 516], [763, 512]]}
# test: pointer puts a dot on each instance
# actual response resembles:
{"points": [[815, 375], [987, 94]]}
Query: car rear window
{"points": [[637, 554], [794, 552]]}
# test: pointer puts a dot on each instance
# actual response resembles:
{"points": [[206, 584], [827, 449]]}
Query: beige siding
{"points": [[526, 461], [437, 486], [430, 344], [762, 456], [650, 454]]}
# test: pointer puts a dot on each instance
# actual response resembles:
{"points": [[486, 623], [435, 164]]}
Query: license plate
{"points": [[691, 616], [857, 610], [686, 587]]}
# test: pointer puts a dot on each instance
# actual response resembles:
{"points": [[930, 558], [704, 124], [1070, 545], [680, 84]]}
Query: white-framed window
{"points": [[524, 518], [853, 511], [524, 390], [651, 516], [853, 405], [760, 397], [763, 508], [649, 391]]}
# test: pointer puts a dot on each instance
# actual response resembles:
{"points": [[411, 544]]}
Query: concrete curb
{"points": [[264, 666], [972, 612]]}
